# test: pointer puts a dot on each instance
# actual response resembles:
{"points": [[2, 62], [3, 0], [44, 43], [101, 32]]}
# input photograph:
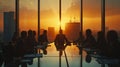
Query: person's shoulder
{"points": [[19, 39], [42, 35], [63, 34], [58, 35], [92, 37]]}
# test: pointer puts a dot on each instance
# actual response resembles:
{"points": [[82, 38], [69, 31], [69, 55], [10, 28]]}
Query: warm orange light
{"points": [[49, 19]]}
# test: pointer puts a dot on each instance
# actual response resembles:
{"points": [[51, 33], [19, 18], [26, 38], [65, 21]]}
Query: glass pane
{"points": [[112, 15], [49, 20]]}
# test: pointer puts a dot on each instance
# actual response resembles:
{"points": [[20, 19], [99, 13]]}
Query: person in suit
{"points": [[61, 41]]}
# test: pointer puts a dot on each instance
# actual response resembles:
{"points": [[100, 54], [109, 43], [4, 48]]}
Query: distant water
{"points": [[52, 59]]}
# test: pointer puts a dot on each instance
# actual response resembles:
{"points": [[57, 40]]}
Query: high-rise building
{"points": [[9, 26], [51, 34], [72, 30]]}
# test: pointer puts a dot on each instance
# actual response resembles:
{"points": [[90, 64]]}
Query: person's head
{"points": [[100, 34], [112, 36], [88, 32], [30, 33], [23, 34], [14, 38], [61, 31], [34, 33], [45, 32]]}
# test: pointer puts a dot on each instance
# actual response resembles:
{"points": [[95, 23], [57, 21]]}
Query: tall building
{"points": [[51, 34], [9, 26], [72, 30]]}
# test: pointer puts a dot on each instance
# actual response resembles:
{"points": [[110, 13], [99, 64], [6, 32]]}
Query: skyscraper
{"points": [[9, 26], [51, 34], [72, 30]]}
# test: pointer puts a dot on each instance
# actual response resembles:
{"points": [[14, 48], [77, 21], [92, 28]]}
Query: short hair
{"points": [[112, 35], [88, 31], [30, 32], [45, 31]]}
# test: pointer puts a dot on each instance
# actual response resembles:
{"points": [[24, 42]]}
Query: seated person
{"points": [[113, 47], [60, 41], [31, 42], [89, 41], [43, 40], [1, 54], [101, 43], [113, 44]]}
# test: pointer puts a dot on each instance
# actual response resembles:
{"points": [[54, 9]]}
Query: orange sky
{"points": [[70, 9]]}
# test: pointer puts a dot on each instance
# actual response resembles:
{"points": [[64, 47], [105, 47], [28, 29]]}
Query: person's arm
{"points": [[39, 37], [55, 39], [65, 38], [67, 42], [47, 39]]}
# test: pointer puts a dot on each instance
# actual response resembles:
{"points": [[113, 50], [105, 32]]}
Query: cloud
{"points": [[47, 14], [30, 16], [9, 5], [28, 13], [33, 14], [6, 5], [92, 13], [93, 10], [29, 4]]}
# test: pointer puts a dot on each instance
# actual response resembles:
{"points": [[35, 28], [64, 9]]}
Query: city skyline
{"points": [[77, 30], [70, 11]]}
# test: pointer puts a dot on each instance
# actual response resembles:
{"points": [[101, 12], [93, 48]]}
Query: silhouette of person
{"points": [[79, 40], [30, 42], [60, 41], [35, 41], [20, 48], [1, 54], [14, 38], [43, 40], [113, 46], [89, 41], [34, 37], [101, 43], [8, 54], [113, 43]]}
